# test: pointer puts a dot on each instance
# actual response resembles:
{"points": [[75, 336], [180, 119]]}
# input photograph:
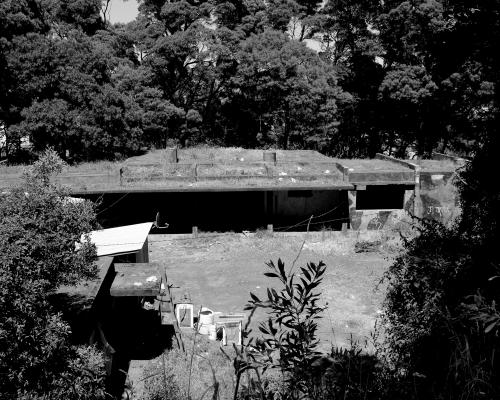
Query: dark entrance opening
{"points": [[225, 211], [383, 197]]}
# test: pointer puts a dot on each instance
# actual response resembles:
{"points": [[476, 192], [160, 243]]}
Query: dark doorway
{"points": [[224, 211], [383, 197]]}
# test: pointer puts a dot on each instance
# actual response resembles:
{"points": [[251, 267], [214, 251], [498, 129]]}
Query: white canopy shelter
{"points": [[121, 240]]}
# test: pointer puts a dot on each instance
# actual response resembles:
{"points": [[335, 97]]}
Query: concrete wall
{"points": [[376, 219], [438, 196], [435, 199], [292, 206]]}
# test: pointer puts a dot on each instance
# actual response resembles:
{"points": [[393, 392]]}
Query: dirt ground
{"points": [[219, 272]]}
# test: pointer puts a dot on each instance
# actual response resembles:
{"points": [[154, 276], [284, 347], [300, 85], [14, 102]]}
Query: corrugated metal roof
{"points": [[120, 240]]}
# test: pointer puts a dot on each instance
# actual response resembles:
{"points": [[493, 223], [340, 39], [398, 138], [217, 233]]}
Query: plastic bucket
{"points": [[206, 317]]}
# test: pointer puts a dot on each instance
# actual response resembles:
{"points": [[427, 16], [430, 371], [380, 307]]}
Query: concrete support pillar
{"points": [[354, 215], [417, 202], [409, 201]]}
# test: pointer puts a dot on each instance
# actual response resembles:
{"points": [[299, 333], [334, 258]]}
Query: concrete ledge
{"points": [[382, 178], [441, 156], [184, 189], [345, 171], [404, 163]]}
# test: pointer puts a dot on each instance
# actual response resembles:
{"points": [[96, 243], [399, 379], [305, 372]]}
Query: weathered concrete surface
{"points": [[299, 204], [434, 195], [438, 196], [382, 177], [374, 220]]}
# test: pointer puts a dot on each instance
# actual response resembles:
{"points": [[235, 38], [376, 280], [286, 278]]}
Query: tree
{"points": [[160, 120], [58, 61], [283, 94], [65, 99], [449, 44], [409, 92], [352, 45], [38, 231]]}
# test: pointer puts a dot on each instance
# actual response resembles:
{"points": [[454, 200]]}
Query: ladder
{"points": [[167, 309]]}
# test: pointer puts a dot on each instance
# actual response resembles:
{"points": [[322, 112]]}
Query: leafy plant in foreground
{"points": [[290, 333]]}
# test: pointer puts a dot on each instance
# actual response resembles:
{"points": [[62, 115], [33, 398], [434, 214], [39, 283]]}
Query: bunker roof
{"points": [[437, 165], [235, 169], [371, 164], [228, 155]]}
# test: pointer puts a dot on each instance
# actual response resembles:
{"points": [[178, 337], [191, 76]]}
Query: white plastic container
{"points": [[206, 316]]}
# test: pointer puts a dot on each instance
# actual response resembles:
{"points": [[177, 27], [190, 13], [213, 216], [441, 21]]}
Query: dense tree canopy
{"points": [[350, 78]]}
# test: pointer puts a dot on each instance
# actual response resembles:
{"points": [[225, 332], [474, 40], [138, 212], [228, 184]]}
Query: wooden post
{"points": [[195, 232], [344, 228], [195, 171], [270, 229]]}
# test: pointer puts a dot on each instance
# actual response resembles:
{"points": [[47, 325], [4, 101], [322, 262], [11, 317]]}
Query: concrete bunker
{"points": [[234, 189]]}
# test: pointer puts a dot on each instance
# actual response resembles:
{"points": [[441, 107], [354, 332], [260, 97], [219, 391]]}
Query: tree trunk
{"points": [[302, 32], [286, 128], [445, 145]]}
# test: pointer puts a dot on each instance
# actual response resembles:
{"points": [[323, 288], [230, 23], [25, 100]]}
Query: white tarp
{"points": [[120, 240]]}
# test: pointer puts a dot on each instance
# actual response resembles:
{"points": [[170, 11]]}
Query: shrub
{"points": [[203, 371], [39, 227], [441, 316]]}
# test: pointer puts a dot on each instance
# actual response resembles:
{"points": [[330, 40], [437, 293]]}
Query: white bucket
{"points": [[206, 317]]}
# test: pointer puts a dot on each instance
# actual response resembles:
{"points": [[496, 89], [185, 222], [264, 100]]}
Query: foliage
{"points": [[450, 42], [349, 374], [211, 372], [349, 78], [441, 314], [289, 342], [283, 91], [38, 231]]}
